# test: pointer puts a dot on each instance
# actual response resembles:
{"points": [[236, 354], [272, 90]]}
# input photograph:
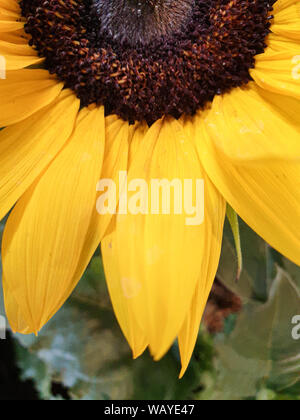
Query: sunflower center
{"points": [[140, 22], [143, 59]]}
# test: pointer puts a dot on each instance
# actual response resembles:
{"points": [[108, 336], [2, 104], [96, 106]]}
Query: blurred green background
{"points": [[245, 349]]}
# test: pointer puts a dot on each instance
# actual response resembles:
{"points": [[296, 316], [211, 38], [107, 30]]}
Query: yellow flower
{"points": [[189, 114]]}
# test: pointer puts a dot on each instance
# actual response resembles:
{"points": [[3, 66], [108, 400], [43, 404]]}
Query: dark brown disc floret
{"points": [[143, 59]]}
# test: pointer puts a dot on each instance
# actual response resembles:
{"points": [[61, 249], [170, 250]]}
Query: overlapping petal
{"points": [[15, 52], [46, 231], [10, 6], [246, 127], [10, 16], [287, 19], [122, 307], [279, 72], [266, 196], [215, 208], [25, 92], [16, 37], [117, 133], [18, 56], [9, 25], [27, 147], [279, 44], [159, 255], [124, 313]]}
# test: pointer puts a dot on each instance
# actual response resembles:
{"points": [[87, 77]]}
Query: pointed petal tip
{"points": [[184, 367], [25, 330], [158, 353], [158, 356], [136, 353]]}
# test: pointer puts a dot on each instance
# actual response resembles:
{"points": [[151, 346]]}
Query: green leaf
{"points": [[234, 223], [266, 395], [261, 351], [252, 283], [34, 368]]}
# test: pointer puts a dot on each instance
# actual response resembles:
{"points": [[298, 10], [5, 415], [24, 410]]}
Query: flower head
{"points": [[163, 90]]}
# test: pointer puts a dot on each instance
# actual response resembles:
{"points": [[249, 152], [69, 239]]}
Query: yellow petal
{"points": [[280, 5], [188, 335], [121, 304], [214, 221], [25, 92], [115, 160], [15, 37], [9, 15], [245, 127], [287, 107], [28, 147], [287, 19], [18, 56], [13, 313], [265, 194], [159, 254], [10, 24], [10, 11], [118, 134], [279, 44], [140, 132], [278, 72], [10, 5], [46, 231]]}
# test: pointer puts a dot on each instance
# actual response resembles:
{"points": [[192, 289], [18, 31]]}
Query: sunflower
{"points": [[186, 89]]}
